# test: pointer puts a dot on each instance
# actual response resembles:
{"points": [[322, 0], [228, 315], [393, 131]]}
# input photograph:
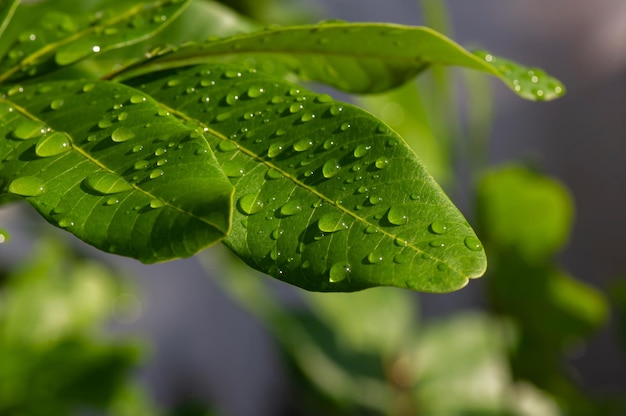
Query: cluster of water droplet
{"points": [[312, 176]]}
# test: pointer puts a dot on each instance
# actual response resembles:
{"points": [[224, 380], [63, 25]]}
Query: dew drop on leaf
{"points": [[374, 257], [156, 173], [302, 145], [255, 91], [233, 169], [438, 227], [381, 163], [275, 149], [473, 244], [107, 183], [156, 203], [338, 272], [397, 216], [249, 204], [28, 129], [290, 208], [401, 259], [56, 104], [226, 146], [52, 144], [122, 134], [330, 168], [273, 174], [27, 186], [437, 244], [330, 223], [361, 150], [66, 222]]}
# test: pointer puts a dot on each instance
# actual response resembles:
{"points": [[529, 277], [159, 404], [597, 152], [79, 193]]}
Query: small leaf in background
{"points": [[327, 197], [525, 211], [359, 57], [108, 164], [524, 218], [57, 39]]}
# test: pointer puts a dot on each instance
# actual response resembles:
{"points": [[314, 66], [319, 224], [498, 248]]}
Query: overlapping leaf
{"points": [[109, 165], [360, 57], [58, 39], [327, 197]]}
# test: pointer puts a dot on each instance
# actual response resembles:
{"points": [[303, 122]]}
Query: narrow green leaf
{"points": [[7, 9], [60, 39], [108, 164], [327, 197], [360, 57]]}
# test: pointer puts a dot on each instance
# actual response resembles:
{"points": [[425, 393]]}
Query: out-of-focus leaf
{"points": [[7, 9], [524, 211], [110, 165], [328, 198], [59, 39], [524, 218], [359, 57]]}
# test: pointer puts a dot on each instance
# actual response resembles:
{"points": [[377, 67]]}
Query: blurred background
{"points": [[208, 336]]}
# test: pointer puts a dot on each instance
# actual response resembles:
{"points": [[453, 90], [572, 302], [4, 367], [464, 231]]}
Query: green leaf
{"points": [[111, 166], [525, 211], [359, 57], [7, 9], [327, 197], [60, 39]]}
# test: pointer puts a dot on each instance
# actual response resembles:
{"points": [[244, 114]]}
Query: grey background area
{"points": [[202, 345]]}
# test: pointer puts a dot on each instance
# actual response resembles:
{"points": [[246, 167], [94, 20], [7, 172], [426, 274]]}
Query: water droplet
{"points": [[438, 227], [122, 134], [233, 169], [138, 148], [104, 123], [401, 258], [226, 146], [338, 272], [415, 197], [88, 87], [276, 233], [473, 244], [331, 168], [275, 149], [249, 204], [156, 203], [232, 74], [255, 91], [136, 99], [160, 151], [290, 208], [324, 98], [437, 244], [345, 127], [66, 222], [302, 145], [336, 110], [361, 189], [330, 223], [442, 267], [52, 144], [370, 229], [374, 200], [173, 82], [112, 201], [274, 254], [306, 117], [294, 108], [232, 98], [400, 242], [28, 129], [397, 216], [27, 186], [381, 163], [156, 173], [374, 257], [294, 91], [107, 183], [361, 150], [273, 174], [328, 144], [223, 116], [56, 104]]}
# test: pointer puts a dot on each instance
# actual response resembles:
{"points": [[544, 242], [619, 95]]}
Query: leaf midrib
{"points": [[96, 162], [297, 182]]}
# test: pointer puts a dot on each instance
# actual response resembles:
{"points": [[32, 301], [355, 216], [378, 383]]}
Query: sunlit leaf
{"points": [[108, 164], [360, 57], [327, 197], [58, 39]]}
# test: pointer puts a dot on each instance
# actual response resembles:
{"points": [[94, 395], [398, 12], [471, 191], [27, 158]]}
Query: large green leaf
{"points": [[57, 39], [7, 9], [109, 165], [359, 57], [328, 198]]}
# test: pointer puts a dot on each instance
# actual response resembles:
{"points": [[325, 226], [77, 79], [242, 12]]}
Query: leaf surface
{"points": [[58, 39], [327, 197], [7, 9], [111, 166], [360, 57]]}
